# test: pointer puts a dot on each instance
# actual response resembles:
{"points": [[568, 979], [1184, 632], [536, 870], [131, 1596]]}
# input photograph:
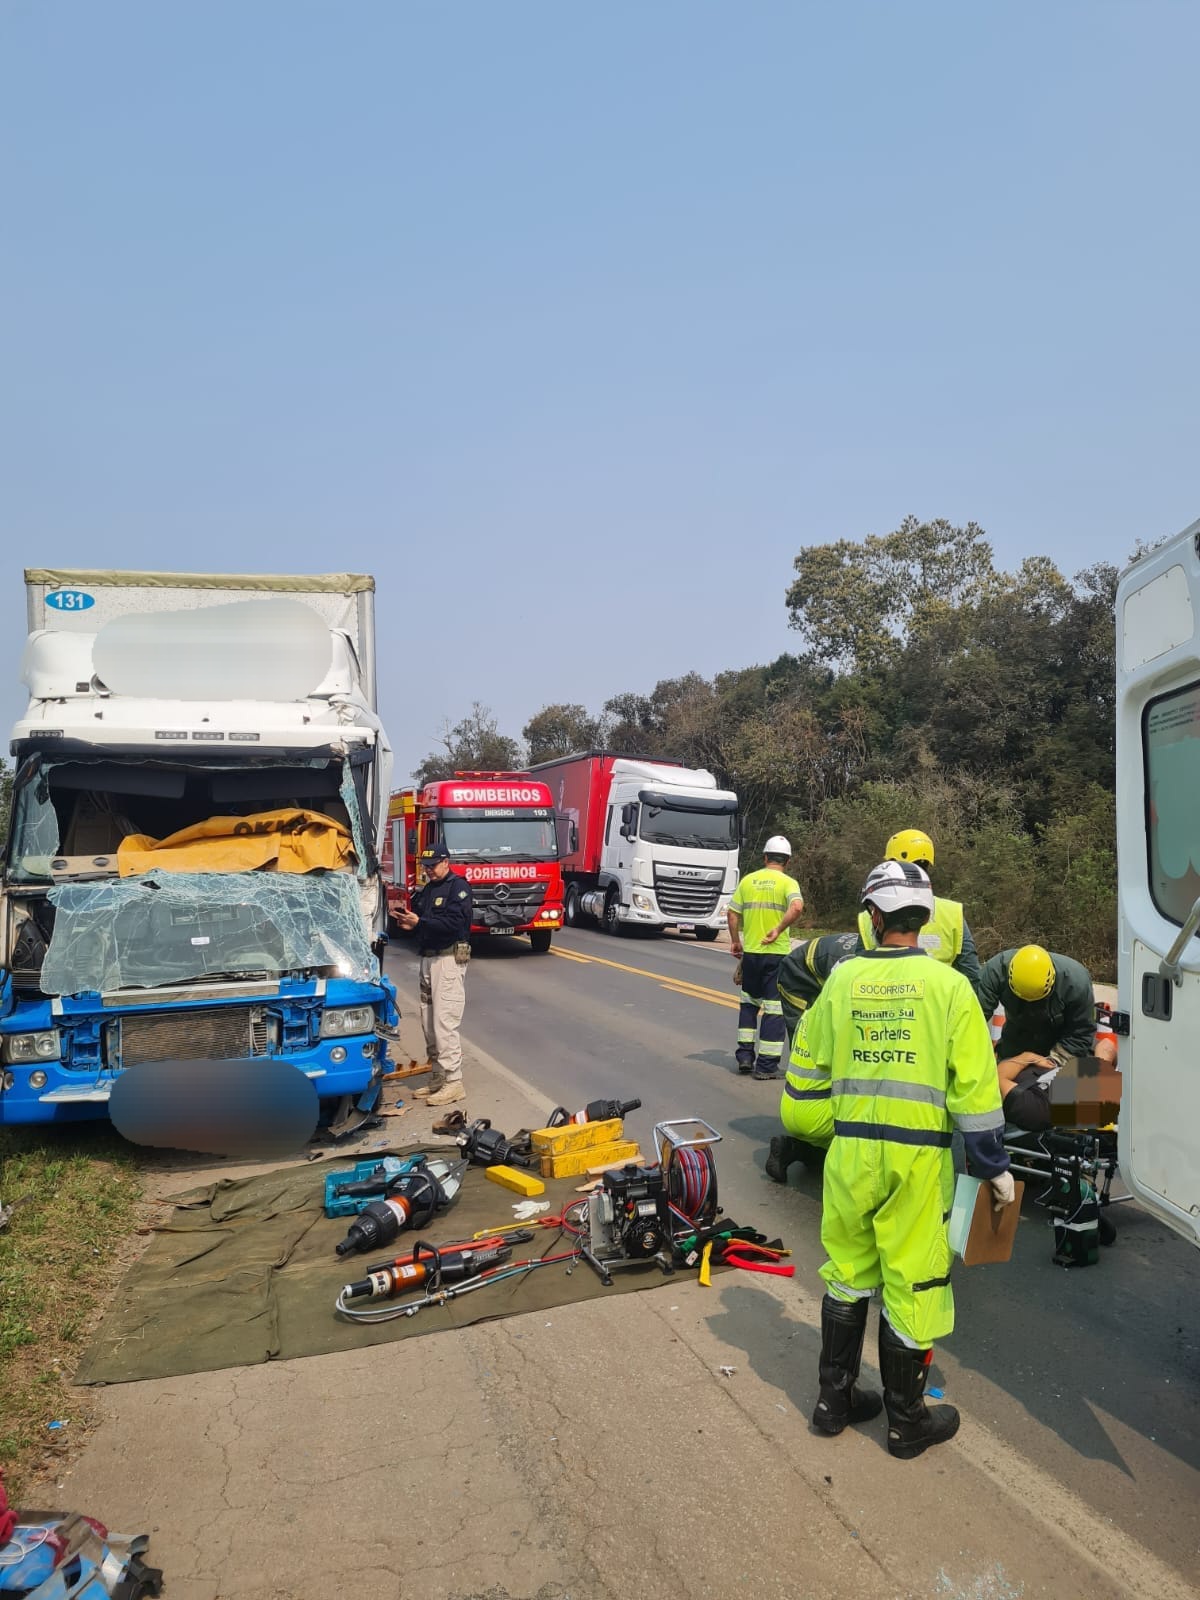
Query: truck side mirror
{"points": [[573, 834]]}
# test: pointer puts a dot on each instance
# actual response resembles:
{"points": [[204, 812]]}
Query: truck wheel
{"points": [[539, 940], [707, 935], [612, 921], [572, 914]]}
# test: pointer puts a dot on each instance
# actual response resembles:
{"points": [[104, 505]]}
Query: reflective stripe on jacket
{"points": [[901, 1047], [761, 900]]}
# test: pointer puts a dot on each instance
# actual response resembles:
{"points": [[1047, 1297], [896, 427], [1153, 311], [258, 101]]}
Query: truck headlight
{"points": [[642, 902], [347, 1019], [33, 1046], [37, 1079]]}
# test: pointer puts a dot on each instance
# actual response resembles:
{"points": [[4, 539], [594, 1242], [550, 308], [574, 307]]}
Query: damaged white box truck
{"points": [[201, 780]]}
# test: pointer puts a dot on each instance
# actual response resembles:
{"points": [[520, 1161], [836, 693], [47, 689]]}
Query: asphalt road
{"points": [[1091, 1377]]}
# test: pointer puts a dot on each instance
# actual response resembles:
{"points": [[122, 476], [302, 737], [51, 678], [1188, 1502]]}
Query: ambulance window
{"points": [[1171, 744]]}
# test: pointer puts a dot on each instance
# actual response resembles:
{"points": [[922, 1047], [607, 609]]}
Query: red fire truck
{"points": [[499, 830]]}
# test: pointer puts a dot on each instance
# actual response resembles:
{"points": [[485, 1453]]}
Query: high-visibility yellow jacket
{"points": [[945, 937], [899, 1043], [761, 900]]}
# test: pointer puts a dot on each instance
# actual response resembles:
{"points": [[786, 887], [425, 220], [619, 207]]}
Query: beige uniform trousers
{"points": [[443, 995]]}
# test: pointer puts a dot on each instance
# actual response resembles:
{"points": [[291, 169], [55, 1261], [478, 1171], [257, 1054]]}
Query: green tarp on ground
{"points": [[245, 1271]]}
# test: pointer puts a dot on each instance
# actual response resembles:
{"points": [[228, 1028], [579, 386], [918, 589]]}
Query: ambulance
{"points": [[1158, 845]]}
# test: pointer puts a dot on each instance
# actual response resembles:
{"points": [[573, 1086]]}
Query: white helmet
{"points": [[898, 886], [777, 845]]}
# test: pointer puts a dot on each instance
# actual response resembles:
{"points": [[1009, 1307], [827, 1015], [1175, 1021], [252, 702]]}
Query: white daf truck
{"points": [[1158, 844], [642, 843]]}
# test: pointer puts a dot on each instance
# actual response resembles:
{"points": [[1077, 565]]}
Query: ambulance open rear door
{"points": [[1158, 844]]}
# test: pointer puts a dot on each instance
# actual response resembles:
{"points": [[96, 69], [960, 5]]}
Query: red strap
{"points": [[776, 1269], [8, 1518]]}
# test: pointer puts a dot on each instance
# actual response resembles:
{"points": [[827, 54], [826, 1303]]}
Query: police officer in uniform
{"points": [[441, 915]]}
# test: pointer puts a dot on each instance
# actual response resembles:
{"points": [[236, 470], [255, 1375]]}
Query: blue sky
{"points": [[573, 324]]}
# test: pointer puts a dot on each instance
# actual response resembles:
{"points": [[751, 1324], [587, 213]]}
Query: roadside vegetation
{"points": [[930, 689], [75, 1197]]}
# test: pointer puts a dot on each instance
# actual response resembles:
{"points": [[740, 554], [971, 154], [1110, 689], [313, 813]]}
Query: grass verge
{"points": [[76, 1196]]}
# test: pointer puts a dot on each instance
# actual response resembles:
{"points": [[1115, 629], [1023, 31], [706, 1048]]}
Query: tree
{"points": [[473, 745], [854, 603], [561, 730], [631, 725]]}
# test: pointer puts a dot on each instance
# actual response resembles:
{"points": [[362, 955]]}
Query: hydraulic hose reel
{"points": [[684, 1150], [636, 1212]]}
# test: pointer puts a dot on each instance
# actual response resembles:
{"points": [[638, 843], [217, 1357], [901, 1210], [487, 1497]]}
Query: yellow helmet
{"points": [[1031, 973], [910, 844]]}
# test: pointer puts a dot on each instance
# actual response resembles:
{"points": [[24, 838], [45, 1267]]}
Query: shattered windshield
{"points": [[88, 819], [168, 928]]}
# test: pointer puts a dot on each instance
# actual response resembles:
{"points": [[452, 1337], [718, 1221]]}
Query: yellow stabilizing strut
{"points": [[706, 1267]]}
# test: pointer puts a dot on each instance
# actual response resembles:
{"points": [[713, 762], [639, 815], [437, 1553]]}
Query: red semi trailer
{"points": [[644, 843], [499, 830]]}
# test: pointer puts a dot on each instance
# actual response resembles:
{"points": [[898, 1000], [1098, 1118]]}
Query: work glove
{"points": [[1004, 1191]]}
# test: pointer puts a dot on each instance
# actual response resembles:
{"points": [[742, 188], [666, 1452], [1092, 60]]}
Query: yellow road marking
{"points": [[641, 972], [674, 985], [698, 988], [690, 994]]}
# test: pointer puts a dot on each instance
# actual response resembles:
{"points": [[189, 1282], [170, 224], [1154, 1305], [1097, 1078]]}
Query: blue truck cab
{"points": [[190, 872]]}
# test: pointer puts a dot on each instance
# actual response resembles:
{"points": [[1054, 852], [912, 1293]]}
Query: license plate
{"points": [[685, 927], [502, 930]]}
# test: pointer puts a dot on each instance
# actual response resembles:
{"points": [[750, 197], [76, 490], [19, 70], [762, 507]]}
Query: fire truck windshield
{"points": [[511, 837]]}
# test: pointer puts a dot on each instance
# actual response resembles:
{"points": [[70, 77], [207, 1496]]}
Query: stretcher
{"points": [[1074, 1169]]}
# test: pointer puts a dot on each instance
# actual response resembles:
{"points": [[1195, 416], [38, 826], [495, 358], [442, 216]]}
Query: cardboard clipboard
{"points": [[978, 1232]]}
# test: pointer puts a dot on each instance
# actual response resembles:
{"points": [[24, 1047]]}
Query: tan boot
{"points": [[447, 1094], [436, 1082]]}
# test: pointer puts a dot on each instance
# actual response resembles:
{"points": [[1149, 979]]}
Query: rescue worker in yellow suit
{"points": [[900, 1047], [806, 1116], [764, 906], [946, 936]]}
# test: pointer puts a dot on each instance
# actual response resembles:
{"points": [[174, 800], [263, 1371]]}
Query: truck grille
{"points": [[226, 1033], [505, 905], [677, 897]]}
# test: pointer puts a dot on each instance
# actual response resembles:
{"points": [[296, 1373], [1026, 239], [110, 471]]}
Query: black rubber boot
{"points": [[745, 1061], [912, 1425], [782, 1153], [843, 1325]]}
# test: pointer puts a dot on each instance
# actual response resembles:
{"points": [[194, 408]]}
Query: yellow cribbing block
{"points": [[519, 1182], [576, 1136], [706, 1267], [572, 1162]]}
